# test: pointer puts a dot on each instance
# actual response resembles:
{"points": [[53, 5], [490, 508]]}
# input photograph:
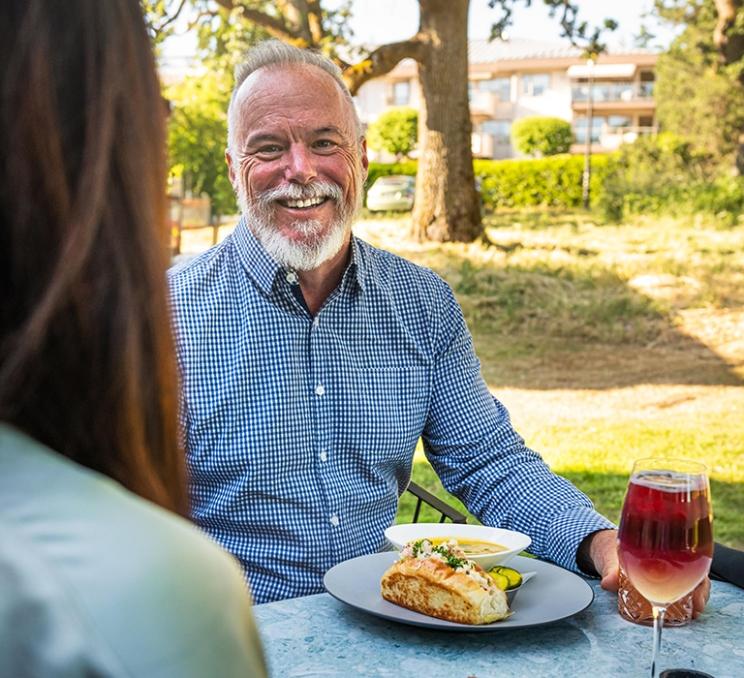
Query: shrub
{"points": [[663, 174], [395, 131], [546, 182], [542, 182], [541, 136]]}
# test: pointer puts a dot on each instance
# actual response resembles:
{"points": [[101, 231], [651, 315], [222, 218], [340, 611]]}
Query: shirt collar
{"points": [[256, 261], [263, 269]]}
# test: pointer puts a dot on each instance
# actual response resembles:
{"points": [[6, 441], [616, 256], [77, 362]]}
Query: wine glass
{"points": [[665, 543]]}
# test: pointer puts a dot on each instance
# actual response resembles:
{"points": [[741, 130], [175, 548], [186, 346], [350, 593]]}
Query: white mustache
{"points": [[317, 189]]}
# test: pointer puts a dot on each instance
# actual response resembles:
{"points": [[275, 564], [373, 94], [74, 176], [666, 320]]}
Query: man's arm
{"points": [[480, 458]]}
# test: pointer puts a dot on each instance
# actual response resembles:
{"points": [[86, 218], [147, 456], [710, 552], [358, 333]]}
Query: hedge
{"points": [[555, 181]]}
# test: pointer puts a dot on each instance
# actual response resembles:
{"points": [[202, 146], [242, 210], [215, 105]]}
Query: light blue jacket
{"points": [[96, 581]]}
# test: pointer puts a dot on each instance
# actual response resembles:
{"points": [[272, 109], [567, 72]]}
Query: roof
{"points": [[484, 51]]}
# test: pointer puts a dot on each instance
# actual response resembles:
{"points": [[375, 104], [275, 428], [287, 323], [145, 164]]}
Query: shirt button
{"points": [[291, 277], [323, 456], [319, 390], [316, 322], [335, 521]]}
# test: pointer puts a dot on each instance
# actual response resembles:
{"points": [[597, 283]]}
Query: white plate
{"points": [[515, 542], [554, 594]]}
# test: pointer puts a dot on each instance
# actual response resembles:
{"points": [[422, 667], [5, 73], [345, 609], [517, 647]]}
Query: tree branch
{"points": [[315, 21], [274, 26], [170, 19], [383, 60], [730, 47]]}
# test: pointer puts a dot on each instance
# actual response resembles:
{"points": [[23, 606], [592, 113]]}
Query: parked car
{"points": [[391, 193]]}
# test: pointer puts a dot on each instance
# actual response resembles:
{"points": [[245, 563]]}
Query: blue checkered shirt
{"points": [[301, 430]]}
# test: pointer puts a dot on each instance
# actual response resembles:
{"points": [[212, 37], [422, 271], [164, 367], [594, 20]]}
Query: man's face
{"points": [[296, 163]]}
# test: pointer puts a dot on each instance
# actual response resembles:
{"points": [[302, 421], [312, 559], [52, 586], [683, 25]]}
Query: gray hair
{"points": [[278, 53]]}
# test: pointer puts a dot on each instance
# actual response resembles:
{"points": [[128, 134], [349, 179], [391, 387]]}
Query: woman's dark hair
{"points": [[87, 364]]}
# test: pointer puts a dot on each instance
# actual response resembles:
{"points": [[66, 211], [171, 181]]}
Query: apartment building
{"points": [[518, 78]]}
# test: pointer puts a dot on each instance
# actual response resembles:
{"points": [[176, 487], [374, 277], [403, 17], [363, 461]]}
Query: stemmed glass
{"points": [[665, 544]]}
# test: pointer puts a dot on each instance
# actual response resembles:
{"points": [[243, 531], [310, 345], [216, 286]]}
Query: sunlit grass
{"points": [[630, 302]]}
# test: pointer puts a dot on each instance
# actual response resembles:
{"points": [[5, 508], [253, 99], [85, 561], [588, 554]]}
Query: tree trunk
{"points": [[447, 207], [730, 45]]}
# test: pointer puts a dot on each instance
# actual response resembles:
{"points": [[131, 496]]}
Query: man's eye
{"points": [[270, 149], [324, 144]]}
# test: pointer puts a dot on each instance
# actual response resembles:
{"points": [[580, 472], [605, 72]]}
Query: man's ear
{"points": [[230, 167], [365, 159]]}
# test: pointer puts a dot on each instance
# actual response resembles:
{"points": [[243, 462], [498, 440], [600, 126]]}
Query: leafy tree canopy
{"points": [[697, 96], [395, 131], [539, 136], [197, 136]]}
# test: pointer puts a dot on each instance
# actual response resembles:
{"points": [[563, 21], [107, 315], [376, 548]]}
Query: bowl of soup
{"points": [[487, 546]]}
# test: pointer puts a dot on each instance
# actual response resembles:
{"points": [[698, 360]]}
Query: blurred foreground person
{"points": [[98, 577]]}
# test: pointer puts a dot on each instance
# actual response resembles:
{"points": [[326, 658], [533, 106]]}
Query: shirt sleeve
{"points": [[482, 460]]}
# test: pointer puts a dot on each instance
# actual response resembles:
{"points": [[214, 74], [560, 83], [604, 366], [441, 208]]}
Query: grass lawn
{"points": [[606, 343]]}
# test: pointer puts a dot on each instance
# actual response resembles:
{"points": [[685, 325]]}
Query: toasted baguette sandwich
{"points": [[441, 582]]}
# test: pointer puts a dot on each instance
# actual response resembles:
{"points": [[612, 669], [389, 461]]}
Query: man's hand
{"points": [[600, 551]]}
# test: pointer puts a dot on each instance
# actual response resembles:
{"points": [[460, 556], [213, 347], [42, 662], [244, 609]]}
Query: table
{"points": [[319, 636]]}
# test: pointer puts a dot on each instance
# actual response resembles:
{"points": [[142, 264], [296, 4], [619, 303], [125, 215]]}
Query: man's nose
{"points": [[300, 164]]}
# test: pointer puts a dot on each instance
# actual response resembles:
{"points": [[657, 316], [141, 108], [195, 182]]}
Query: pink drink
{"points": [[666, 535]]}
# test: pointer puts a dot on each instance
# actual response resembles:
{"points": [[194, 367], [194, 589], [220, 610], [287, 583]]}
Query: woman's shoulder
{"points": [[142, 582]]}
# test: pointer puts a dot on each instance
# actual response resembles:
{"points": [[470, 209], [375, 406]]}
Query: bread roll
{"points": [[440, 582]]}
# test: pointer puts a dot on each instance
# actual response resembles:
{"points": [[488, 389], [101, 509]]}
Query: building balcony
{"points": [[608, 138], [613, 92], [486, 105]]}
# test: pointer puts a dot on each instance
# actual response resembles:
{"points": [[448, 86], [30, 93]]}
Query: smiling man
{"points": [[313, 362]]}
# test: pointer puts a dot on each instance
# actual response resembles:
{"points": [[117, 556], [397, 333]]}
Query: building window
{"points": [[401, 93], [501, 88], [499, 130], [615, 121], [647, 84], [535, 85], [580, 125]]}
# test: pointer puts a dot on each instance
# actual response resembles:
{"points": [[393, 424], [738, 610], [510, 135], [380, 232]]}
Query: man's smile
{"points": [[303, 204]]}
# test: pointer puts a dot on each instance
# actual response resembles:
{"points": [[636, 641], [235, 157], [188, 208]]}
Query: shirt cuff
{"points": [[568, 529]]}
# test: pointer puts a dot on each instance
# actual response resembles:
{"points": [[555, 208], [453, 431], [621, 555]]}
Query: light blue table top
{"points": [[319, 636]]}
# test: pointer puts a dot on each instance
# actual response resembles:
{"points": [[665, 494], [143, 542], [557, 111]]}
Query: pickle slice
{"points": [[513, 578], [499, 579]]}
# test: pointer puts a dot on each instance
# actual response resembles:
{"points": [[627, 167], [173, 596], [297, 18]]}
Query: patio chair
{"points": [[425, 497]]}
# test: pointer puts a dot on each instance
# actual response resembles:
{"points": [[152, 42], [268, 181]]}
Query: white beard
{"points": [[309, 253]]}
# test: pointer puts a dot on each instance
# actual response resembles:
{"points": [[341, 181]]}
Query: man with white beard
{"points": [[312, 362]]}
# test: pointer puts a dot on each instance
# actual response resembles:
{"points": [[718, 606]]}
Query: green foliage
{"points": [[197, 129], [395, 131], [540, 136], [666, 175], [197, 136], [547, 182], [541, 182], [696, 96]]}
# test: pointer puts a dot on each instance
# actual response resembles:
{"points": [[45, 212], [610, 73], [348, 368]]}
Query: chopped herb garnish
{"points": [[452, 560]]}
